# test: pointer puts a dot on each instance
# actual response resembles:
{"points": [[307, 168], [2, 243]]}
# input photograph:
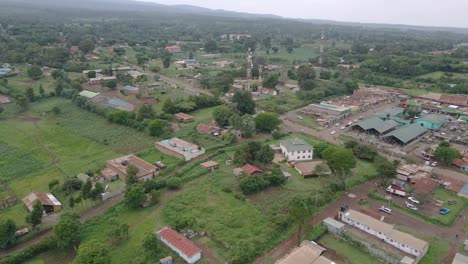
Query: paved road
{"points": [[98, 210]]}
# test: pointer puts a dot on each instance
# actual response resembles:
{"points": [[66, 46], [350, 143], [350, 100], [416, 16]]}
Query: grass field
{"points": [[349, 253], [35, 150]]}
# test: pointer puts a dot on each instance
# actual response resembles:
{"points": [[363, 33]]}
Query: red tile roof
{"points": [[179, 241], [183, 116], [172, 47], [205, 129], [454, 99], [460, 163], [250, 169]]}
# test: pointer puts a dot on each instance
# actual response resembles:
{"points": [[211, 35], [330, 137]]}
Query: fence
{"points": [[108, 195]]}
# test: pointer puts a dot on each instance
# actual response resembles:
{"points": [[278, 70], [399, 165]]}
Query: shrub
{"points": [[174, 183]]}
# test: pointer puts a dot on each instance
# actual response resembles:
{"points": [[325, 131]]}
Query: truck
{"points": [[396, 190]]}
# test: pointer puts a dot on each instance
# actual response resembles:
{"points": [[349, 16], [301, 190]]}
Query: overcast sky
{"points": [[450, 13]]}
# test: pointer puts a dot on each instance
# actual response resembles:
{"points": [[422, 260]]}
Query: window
{"points": [[309, 156]]}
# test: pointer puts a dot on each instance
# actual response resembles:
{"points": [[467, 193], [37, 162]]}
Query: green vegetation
{"points": [[349, 253]]}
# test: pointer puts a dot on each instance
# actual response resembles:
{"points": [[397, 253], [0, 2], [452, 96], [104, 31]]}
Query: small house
{"points": [[184, 118], [460, 163], [185, 248], [49, 203], [308, 169], [173, 49], [179, 148], [146, 171], [250, 169], [4, 100], [166, 260], [334, 226], [109, 174], [130, 89], [210, 165], [83, 177]]}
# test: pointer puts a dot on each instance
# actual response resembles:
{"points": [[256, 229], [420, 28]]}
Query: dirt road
{"points": [[98, 210], [419, 226]]}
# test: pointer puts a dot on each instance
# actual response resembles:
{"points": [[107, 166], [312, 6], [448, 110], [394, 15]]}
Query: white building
{"points": [[185, 248], [386, 232], [297, 150]]}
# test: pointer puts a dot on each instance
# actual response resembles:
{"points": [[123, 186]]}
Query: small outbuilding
{"points": [[185, 248], [210, 165], [250, 169], [109, 174], [166, 260], [309, 168], [49, 203], [82, 177], [334, 226], [184, 118]]}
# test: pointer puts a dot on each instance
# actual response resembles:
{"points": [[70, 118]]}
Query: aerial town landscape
{"points": [[137, 132]]}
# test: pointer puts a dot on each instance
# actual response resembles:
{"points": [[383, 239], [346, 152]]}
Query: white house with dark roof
{"points": [[297, 150]]}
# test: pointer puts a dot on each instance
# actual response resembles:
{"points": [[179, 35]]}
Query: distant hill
{"points": [[132, 5]]}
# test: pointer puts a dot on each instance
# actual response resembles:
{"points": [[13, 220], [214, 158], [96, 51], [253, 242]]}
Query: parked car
{"points": [[414, 200], [427, 163], [452, 202], [444, 211], [342, 128], [333, 132], [300, 117], [434, 164], [411, 206], [385, 209]]}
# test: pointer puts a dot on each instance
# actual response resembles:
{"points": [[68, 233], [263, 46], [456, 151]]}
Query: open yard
{"points": [[343, 252]]}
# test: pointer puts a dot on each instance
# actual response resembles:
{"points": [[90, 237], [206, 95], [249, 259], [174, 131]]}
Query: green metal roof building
{"points": [[375, 125], [433, 121], [296, 144], [406, 134]]}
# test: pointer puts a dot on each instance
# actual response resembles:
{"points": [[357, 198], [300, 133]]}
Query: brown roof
{"points": [[425, 185], [183, 116], [371, 214], [108, 173], [209, 164], [178, 241], [44, 198], [205, 129], [460, 163], [454, 99], [307, 168], [250, 169], [308, 253], [144, 168]]}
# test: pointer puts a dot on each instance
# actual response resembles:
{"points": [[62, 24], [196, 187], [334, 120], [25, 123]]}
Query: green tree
{"points": [[446, 154], [5, 82], [270, 81], [246, 124], [350, 144], [56, 110], [267, 122], [166, 61], [1, 109], [365, 152], [41, 90], [135, 196], [265, 155], [118, 233], [86, 45], [385, 168], [222, 115], [71, 202], [34, 72], [7, 233], [244, 103], [58, 87], [96, 192], [86, 189], [35, 217], [320, 148], [211, 46], [30, 94], [275, 49], [91, 74], [174, 183], [300, 211], [325, 75], [305, 72], [339, 159], [150, 244], [145, 112], [67, 231], [132, 172], [158, 127], [111, 84], [92, 252], [190, 56]]}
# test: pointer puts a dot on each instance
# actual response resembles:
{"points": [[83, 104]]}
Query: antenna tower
{"points": [[322, 41], [249, 64]]}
